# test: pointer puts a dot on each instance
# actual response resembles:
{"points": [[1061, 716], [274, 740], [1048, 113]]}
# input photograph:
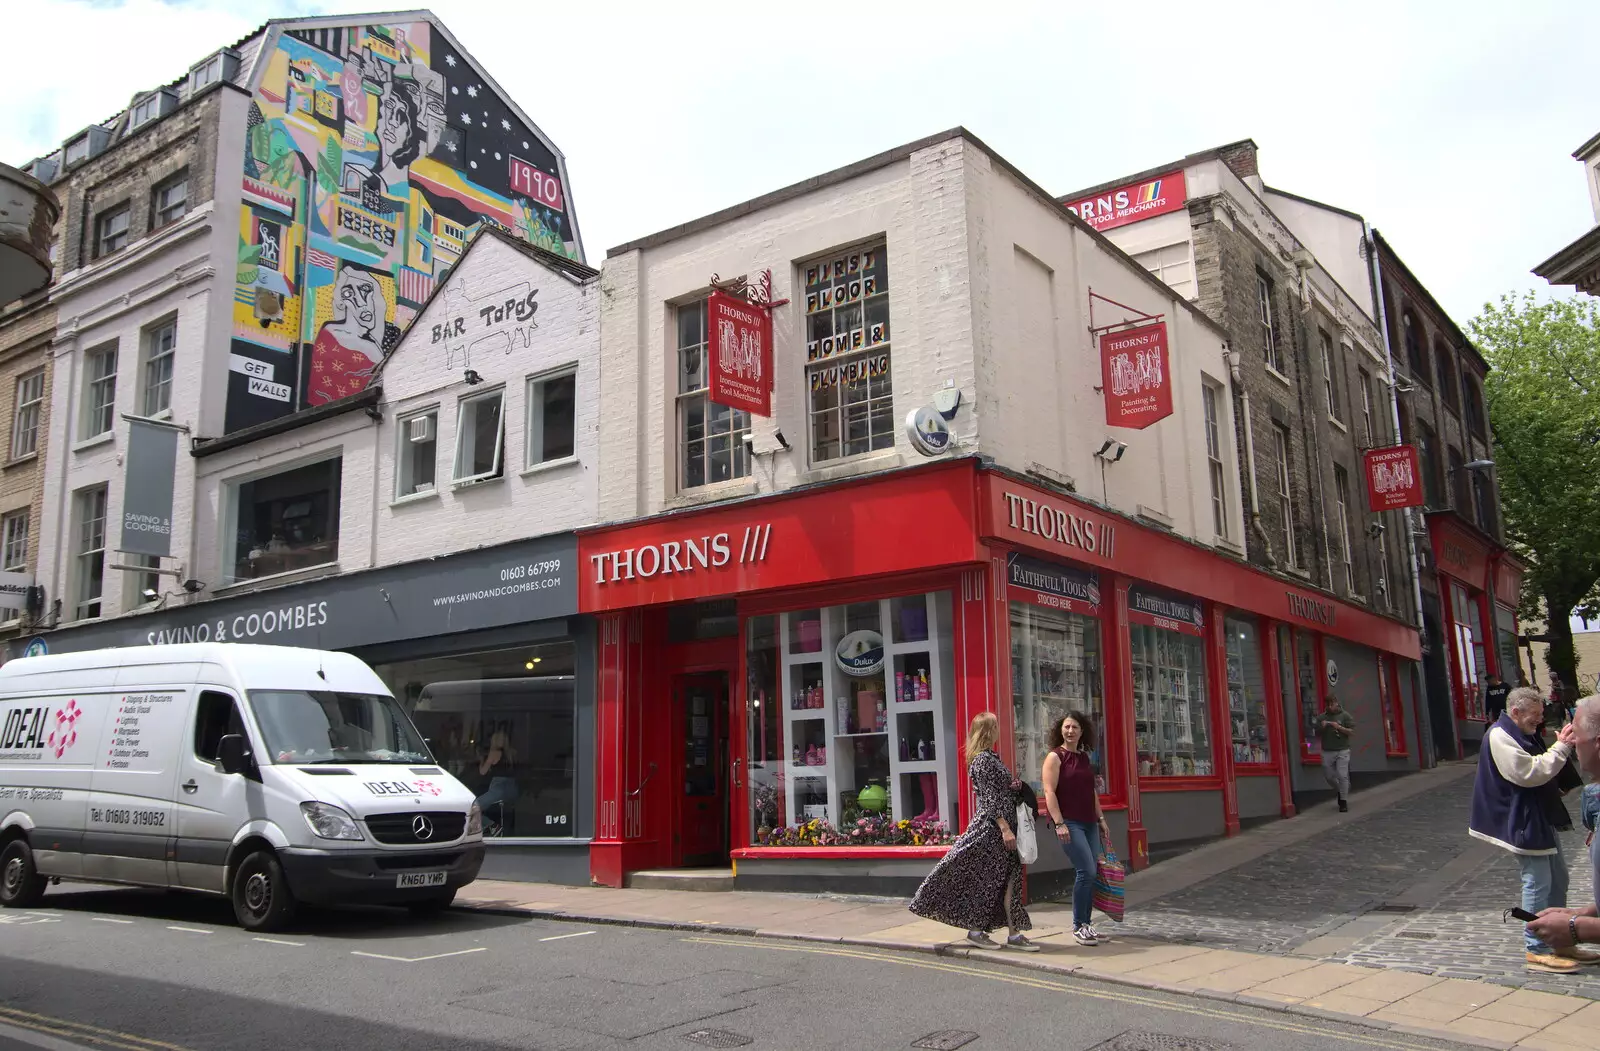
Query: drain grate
{"points": [[945, 1040], [1135, 1040], [717, 1038], [1395, 908]]}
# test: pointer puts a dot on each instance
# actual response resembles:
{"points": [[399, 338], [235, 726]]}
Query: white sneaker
{"points": [[981, 938], [1085, 935], [1095, 933]]}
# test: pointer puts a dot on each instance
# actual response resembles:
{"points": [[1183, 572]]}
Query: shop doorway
{"points": [[700, 722]]}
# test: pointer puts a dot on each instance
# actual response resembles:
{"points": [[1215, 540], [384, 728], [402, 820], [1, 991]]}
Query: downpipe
{"points": [[1243, 397]]}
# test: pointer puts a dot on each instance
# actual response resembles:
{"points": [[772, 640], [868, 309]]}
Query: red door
{"points": [[701, 722]]}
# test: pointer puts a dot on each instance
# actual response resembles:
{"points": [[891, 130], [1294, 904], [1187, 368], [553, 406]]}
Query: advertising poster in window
{"points": [[740, 335], [1044, 583], [1394, 478], [1156, 609], [1136, 376]]}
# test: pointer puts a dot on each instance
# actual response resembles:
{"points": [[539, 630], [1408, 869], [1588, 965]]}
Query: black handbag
{"points": [[1569, 779]]}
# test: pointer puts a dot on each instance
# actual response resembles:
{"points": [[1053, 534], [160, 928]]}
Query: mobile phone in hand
{"points": [[1524, 915]]}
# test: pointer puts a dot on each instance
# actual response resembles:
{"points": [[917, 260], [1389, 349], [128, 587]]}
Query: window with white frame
{"points": [[1280, 441], [99, 391], [88, 552], [848, 377], [77, 150], [1341, 495], [1269, 337], [480, 437], [552, 419], [208, 72], [710, 436], [169, 201], [419, 454], [25, 416], [111, 230], [1211, 399], [1330, 375], [1365, 381], [1170, 265], [160, 346], [146, 110], [14, 552]]}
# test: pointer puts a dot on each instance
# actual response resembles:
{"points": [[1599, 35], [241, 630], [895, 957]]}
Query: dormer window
{"points": [[78, 150], [206, 73], [145, 110]]}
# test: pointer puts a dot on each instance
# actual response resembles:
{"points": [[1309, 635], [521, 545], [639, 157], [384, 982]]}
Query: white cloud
{"points": [[1449, 126]]}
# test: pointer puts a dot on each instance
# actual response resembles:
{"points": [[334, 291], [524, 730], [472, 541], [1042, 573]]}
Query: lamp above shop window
{"points": [[1111, 450]]}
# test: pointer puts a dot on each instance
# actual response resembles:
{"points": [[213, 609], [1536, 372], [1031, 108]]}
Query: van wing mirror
{"points": [[233, 754]]}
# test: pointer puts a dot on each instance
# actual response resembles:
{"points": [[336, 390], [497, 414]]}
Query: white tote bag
{"points": [[1027, 842]]}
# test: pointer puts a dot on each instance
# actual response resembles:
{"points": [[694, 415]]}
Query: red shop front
{"points": [[785, 681], [1480, 584]]}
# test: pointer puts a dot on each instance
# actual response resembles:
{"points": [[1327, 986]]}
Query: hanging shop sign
{"points": [[1132, 202], [1049, 584], [1157, 609], [739, 335], [1394, 478], [927, 432], [1136, 376], [148, 470]]}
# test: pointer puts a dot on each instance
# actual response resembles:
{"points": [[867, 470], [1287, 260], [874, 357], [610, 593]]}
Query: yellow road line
{"points": [[1033, 981], [82, 1031]]}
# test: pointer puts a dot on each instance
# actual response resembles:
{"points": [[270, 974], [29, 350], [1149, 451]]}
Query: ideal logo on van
{"points": [[401, 788], [30, 732]]}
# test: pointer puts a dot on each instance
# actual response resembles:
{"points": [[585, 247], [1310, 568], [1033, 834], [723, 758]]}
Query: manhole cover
{"points": [[717, 1038], [1419, 935], [946, 1040], [1395, 908], [1137, 1041]]}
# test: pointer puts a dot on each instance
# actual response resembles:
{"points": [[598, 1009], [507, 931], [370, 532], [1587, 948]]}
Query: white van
{"points": [[269, 774]]}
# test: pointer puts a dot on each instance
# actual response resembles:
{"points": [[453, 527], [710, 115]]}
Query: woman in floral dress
{"points": [[978, 884]]}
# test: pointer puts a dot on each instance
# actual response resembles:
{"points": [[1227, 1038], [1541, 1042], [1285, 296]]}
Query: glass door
{"points": [[702, 720]]}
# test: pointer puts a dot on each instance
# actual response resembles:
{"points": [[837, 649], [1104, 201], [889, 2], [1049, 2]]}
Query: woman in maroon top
{"points": [[1069, 793]]}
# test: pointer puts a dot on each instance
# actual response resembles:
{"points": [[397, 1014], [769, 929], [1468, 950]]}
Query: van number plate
{"points": [[419, 879]]}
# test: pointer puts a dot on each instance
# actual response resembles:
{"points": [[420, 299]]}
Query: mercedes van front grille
{"points": [[418, 826], [430, 860]]}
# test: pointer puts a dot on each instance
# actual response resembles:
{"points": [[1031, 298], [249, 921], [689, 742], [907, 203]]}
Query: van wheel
{"points": [[261, 897], [432, 906], [21, 886]]}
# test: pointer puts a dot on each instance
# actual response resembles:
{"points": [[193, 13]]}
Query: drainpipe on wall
{"points": [[1307, 325], [1243, 395], [1424, 715]]}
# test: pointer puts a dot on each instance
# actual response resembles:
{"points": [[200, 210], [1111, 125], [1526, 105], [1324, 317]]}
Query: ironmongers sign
{"points": [[739, 340], [1394, 478]]}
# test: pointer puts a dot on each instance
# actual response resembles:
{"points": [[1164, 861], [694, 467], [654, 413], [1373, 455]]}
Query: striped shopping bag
{"points": [[1108, 885]]}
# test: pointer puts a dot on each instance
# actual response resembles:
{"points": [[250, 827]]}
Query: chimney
{"points": [[1240, 157]]}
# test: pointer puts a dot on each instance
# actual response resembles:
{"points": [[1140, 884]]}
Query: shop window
{"points": [[1247, 692], [1169, 685], [1341, 496], [1297, 658], [160, 348], [1470, 658], [286, 521], [99, 392], [418, 459], [1211, 399], [14, 552], [552, 403], [852, 724], [480, 437], [1394, 724], [89, 551], [701, 621], [1505, 625], [505, 723], [1330, 375], [848, 354], [1056, 670], [1269, 337], [711, 436], [25, 417], [1280, 444]]}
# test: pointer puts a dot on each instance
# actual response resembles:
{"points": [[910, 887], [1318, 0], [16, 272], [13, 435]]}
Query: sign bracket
{"points": [[1141, 319], [757, 295]]}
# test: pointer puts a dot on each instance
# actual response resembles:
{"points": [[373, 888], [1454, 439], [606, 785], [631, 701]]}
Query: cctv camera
{"points": [[1375, 530], [749, 439]]}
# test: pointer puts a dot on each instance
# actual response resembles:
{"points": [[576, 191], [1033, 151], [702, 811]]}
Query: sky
{"points": [[1449, 124]]}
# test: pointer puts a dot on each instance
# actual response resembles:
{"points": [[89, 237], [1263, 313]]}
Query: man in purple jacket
{"points": [[1563, 928], [1512, 799]]}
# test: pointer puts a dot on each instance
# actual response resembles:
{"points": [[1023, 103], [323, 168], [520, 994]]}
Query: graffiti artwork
{"points": [[373, 156]]}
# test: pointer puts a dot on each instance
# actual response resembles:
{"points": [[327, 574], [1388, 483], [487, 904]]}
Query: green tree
{"points": [[1544, 410]]}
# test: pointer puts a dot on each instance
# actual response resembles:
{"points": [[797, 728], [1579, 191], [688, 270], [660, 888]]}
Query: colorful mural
{"points": [[372, 157]]}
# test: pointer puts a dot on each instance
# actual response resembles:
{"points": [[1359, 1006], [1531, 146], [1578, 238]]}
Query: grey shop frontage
{"points": [[484, 648]]}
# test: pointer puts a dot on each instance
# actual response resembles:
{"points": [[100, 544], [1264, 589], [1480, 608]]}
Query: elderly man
{"points": [[1512, 802], [1559, 927]]}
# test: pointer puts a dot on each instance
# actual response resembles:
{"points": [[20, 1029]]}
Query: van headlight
{"points": [[329, 822], [475, 821]]}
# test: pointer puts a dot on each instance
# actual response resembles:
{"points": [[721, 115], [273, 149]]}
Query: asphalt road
{"points": [[145, 971]]}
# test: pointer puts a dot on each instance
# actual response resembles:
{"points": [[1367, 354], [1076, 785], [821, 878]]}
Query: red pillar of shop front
{"points": [[1221, 715], [1119, 709], [1284, 750], [622, 768]]}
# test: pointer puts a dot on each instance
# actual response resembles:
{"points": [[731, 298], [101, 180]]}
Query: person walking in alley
{"points": [[1494, 699], [1336, 728], [1513, 798], [1559, 927], [1074, 805], [978, 884]]}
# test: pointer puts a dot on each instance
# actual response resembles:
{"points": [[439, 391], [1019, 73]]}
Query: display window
{"points": [[1056, 660], [1297, 669], [1469, 652], [1247, 692], [1170, 706], [1505, 625], [850, 716], [1394, 721], [504, 723]]}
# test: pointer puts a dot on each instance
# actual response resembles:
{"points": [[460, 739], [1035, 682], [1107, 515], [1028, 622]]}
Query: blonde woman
{"points": [[978, 884]]}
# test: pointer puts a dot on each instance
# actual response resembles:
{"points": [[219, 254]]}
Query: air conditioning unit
{"points": [[419, 429]]}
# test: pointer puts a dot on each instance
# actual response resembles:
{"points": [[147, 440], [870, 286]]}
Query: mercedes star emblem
{"points": [[422, 828]]}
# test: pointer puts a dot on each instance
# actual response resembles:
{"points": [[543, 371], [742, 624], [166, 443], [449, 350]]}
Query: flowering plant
{"points": [[869, 830]]}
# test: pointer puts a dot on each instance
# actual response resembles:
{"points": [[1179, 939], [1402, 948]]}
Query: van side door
{"points": [[212, 805], [126, 838]]}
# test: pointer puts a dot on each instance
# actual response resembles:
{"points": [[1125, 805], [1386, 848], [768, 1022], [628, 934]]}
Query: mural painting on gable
{"points": [[373, 155]]}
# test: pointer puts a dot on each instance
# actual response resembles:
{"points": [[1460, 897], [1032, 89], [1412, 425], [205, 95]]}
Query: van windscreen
{"points": [[324, 726]]}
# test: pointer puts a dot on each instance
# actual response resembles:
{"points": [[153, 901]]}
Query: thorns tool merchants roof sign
{"points": [[1394, 478], [739, 340], [1129, 204], [1136, 376]]}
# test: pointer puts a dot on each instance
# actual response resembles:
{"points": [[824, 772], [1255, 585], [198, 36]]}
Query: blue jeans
{"points": [[1544, 885], [501, 790], [1083, 850]]}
